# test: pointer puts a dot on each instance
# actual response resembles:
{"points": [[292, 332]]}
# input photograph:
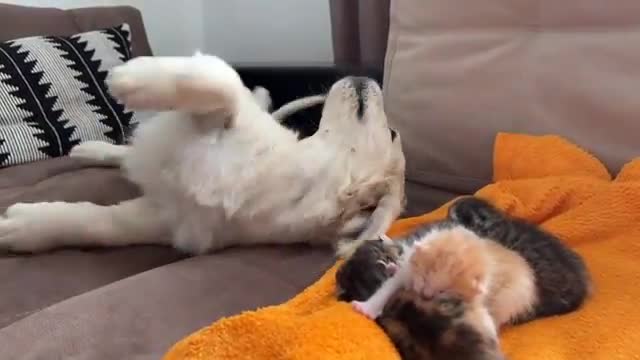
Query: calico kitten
{"points": [[443, 327], [562, 278]]}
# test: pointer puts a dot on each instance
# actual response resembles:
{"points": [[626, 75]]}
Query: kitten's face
{"points": [[451, 262]]}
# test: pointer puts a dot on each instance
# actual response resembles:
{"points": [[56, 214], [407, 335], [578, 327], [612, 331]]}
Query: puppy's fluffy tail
{"points": [[296, 105]]}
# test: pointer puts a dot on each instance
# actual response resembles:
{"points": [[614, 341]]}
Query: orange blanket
{"points": [[544, 179]]}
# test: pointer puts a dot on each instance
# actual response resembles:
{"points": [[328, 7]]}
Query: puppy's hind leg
{"points": [[43, 226], [197, 85]]}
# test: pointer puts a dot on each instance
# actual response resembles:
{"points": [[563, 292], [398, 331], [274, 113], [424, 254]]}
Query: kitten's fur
{"points": [[555, 278], [362, 274], [456, 261], [561, 277], [443, 327]]}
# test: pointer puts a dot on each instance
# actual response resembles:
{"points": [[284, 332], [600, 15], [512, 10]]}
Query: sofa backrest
{"points": [[457, 72], [22, 21]]}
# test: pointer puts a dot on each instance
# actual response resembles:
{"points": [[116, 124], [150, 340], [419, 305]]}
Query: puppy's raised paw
{"points": [[196, 84], [146, 83]]}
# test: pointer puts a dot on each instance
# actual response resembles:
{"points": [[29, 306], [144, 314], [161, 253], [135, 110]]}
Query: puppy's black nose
{"points": [[359, 84]]}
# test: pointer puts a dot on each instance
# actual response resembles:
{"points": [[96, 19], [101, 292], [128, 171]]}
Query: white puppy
{"points": [[216, 169]]}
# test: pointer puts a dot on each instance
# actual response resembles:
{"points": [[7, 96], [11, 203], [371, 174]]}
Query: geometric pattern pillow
{"points": [[53, 94]]}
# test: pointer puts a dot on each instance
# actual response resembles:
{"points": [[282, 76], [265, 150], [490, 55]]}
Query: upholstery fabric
{"points": [[458, 72]]}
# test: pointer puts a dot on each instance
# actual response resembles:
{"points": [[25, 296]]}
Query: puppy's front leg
{"points": [[199, 85], [388, 209]]}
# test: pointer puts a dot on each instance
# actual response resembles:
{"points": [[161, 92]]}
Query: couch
{"points": [[455, 73]]}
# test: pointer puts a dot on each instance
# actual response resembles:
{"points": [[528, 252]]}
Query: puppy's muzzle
{"points": [[361, 86]]}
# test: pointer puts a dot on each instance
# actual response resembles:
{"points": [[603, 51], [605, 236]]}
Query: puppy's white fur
{"points": [[216, 169]]}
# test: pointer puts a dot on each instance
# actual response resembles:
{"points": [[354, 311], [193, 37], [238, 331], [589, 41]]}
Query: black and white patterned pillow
{"points": [[53, 94]]}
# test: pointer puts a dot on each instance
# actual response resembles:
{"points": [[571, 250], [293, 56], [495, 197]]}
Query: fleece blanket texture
{"points": [[544, 179]]}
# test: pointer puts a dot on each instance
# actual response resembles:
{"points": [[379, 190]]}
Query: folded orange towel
{"points": [[544, 179]]}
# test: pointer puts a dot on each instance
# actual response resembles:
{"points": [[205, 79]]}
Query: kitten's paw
{"points": [[365, 309]]}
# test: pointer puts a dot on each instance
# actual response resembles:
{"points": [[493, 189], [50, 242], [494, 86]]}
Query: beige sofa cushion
{"points": [[459, 71]]}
